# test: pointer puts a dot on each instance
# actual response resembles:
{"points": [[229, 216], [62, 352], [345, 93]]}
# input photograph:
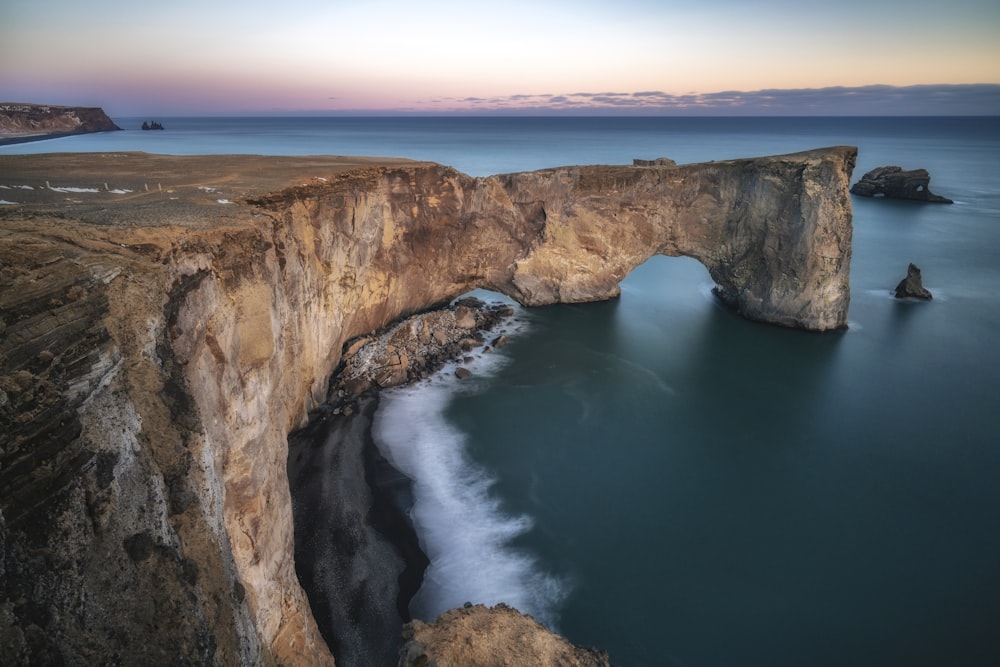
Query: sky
{"points": [[653, 57]]}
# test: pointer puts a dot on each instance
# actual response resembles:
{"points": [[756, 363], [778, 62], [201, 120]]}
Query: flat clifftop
{"points": [[29, 122], [138, 189], [165, 322]]}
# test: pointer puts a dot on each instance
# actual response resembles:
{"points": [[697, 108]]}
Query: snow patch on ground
{"points": [[72, 189]]}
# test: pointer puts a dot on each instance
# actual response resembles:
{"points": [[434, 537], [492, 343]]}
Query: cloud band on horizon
{"points": [[926, 99]]}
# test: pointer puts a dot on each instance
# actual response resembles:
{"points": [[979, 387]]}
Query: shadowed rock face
{"points": [[169, 320]]}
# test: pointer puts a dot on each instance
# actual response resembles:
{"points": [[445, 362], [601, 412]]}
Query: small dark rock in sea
{"points": [[461, 372], [912, 285], [894, 183], [500, 341]]}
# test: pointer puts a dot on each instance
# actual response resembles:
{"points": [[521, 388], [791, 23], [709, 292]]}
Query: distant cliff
{"points": [[165, 322], [31, 122]]}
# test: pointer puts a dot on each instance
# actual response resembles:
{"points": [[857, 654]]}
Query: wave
{"points": [[462, 525]]}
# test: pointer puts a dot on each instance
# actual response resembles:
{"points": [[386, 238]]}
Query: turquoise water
{"points": [[658, 477]]}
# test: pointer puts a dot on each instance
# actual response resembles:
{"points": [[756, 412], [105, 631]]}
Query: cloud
{"points": [[873, 100]]}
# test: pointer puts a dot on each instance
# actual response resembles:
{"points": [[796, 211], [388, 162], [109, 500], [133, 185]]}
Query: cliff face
{"points": [[27, 122], [167, 321]]}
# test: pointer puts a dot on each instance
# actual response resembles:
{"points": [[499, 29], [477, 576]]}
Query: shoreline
{"points": [[357, 555], [364, 529], [29, 138]]}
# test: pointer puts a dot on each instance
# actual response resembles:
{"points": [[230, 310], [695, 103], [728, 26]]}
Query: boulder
{"points": [[912, 285], [895, 183]]}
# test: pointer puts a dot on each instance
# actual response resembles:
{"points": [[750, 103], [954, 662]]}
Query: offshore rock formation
{"points": [[480, 636], [30, 122], [894, 183], [157, 345], [912, 286]]}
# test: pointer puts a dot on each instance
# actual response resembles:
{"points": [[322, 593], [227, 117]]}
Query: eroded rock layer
{"points": [[167, 321]]}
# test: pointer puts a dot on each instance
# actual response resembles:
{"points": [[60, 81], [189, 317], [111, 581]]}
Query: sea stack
{"points": [[912, 286], [895, 183]]}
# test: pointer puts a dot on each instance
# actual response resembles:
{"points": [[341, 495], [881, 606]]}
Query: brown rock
{"points": [[461, 372], [465, 317], [479, 636]]}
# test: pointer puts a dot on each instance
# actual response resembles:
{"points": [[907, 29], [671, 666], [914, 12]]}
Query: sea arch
{"points": [[774, 233]]}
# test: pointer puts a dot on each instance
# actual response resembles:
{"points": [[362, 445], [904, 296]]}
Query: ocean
{"points": [[658, 477]]}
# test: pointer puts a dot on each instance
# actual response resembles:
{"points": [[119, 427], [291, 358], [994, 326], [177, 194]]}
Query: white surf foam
{"points": [[463, 527]]}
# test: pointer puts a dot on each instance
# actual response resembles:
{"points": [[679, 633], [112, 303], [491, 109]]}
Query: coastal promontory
{"points": [[166, 322], [31, 122]]}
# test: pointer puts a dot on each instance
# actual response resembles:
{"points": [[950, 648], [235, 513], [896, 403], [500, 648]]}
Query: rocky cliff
{"points": [[29, 122], [167, 321]]}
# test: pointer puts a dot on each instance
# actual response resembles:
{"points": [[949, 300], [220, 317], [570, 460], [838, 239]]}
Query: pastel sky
{"points": [[567, 56]]}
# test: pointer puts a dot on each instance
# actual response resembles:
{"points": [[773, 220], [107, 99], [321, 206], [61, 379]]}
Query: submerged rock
{"points": [[912, 285], [895, 183]]}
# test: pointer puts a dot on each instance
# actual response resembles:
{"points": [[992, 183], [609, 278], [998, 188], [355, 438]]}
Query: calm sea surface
{"points": [[660, 478]]}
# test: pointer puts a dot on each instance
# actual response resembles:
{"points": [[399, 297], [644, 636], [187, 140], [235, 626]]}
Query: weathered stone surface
{"points": [[895, 183], [167, 323], [912, 286], [775, 241], [417, 346], [29, 122], [479, 636]]}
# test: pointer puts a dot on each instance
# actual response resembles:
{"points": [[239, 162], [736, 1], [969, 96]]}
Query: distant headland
{"points": [[20, 122]]}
